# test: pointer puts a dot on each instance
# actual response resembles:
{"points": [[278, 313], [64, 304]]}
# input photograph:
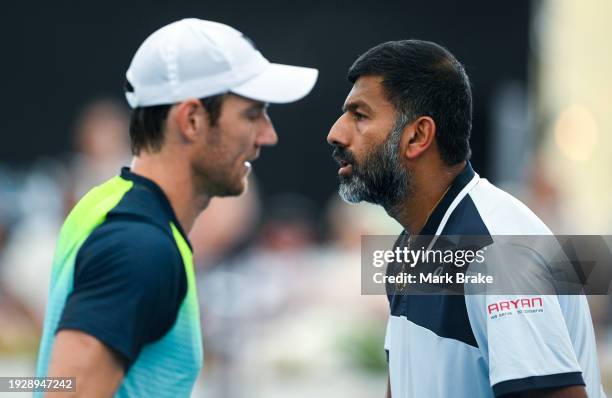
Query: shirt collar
{"points": [[455, 193], [155, 189]]}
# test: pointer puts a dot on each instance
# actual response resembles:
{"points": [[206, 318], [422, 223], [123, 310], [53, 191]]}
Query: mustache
{"points": [[343, 154]]}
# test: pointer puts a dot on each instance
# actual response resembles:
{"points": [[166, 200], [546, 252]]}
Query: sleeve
{"points": [[129, 283], [523, 336]]}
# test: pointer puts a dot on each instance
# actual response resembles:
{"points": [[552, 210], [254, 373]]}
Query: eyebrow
{"points": [[256, 107], [354, 105]]}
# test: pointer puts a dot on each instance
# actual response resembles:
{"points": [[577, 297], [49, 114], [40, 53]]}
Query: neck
{"points": [[175, 179], [428, 189]]}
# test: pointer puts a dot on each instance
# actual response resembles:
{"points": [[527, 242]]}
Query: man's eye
{"points": [[254, 115], [358, 116]]}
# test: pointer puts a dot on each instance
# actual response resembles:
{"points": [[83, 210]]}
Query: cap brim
{"points": [[279, 84]]}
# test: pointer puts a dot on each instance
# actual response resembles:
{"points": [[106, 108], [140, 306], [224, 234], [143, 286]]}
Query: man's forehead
{"points": [[367, 92]]}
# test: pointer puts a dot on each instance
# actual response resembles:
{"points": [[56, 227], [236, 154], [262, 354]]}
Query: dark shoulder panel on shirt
{"points": [[141, 204], [445, 315], [136, 244], [465, 220], [129, 283]]}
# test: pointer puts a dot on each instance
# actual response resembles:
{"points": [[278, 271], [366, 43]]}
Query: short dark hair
{"points": [[147, 123], [422, 78]]}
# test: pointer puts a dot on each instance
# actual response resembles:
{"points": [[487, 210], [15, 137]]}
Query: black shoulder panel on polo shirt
{"points": [[445, 315], [146, 202], [465, 220]]}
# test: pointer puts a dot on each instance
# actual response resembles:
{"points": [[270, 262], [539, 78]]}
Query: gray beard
{"points": [[380, 178]]}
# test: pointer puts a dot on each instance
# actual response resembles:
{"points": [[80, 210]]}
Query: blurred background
{"points": [[278, 267]]}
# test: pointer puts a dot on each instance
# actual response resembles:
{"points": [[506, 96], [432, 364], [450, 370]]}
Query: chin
{"points": [[235, 189]]}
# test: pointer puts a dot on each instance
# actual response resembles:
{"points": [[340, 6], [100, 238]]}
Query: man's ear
{"points": [[420, 134], [190, 117]]}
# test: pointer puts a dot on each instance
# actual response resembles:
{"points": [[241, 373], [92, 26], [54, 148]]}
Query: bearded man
{"points": [[402, 142]]}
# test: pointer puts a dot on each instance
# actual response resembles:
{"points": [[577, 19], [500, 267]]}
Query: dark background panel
{"points": [[57, 58]]}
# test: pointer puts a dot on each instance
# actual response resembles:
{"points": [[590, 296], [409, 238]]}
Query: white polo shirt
{"points": [[442, 346]]}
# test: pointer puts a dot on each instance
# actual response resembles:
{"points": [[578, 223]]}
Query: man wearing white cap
{"points": [[122, 316]]}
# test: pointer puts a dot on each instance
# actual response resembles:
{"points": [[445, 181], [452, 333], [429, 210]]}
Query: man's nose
{"points": [[267, 135], [338, 134]]}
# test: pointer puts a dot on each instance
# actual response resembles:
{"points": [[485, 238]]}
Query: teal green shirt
{"points": [[123, 273]]}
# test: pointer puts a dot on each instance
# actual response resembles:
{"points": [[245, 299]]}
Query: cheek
{"points": [[232, 146], [363, 144], [368, 146], [243, 146], [230, 158]]}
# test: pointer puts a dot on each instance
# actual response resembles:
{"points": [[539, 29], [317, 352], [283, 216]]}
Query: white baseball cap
{"points": [[194, 58]]}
